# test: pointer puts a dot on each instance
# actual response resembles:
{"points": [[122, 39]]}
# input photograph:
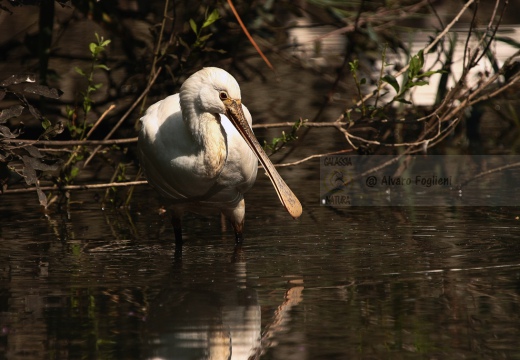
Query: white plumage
{"points": [[197, 149]]}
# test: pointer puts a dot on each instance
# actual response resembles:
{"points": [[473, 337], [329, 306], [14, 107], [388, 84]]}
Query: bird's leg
{"points": [[177, 227], [238, 227], [236, 217], [223, 222]]}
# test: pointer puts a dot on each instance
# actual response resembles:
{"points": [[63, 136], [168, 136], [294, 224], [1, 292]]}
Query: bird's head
{"points": [[210, 90]]}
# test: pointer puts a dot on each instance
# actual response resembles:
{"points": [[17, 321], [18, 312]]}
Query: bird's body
{"points": [[196, 151], [217, 168]]}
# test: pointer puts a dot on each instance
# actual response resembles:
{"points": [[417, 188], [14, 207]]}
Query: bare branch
{"points": [[313, 157], [76, 187], [129, 111]]}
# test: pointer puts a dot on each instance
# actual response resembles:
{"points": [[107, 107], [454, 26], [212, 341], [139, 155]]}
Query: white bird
{"points": [[198, 151]]}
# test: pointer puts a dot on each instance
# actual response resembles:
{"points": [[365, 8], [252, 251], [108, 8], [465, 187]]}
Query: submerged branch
{"points": [[489, 172]]}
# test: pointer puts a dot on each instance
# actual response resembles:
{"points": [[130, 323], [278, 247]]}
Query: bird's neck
{"points": [[208, 135]]}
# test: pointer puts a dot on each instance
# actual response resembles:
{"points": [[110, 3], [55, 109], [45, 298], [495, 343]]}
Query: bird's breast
{"points": [[213, 150], [187, 160]]}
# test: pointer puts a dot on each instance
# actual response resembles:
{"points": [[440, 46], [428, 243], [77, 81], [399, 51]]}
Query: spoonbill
{"points": [[198, 151]]}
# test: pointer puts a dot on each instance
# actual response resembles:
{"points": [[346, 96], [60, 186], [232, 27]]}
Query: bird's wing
{"points": [[167, 156]]}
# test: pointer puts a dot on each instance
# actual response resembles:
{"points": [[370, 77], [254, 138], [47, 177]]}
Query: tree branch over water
{"points": [[381, 117]]}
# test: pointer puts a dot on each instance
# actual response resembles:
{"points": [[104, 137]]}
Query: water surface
{"points": [[361, 282]]}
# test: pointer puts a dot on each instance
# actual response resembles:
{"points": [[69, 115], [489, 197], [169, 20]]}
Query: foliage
{"points": [[414, 77], [155, 49], [201, 39], [16, 87], [278, 143], [78, 131]]}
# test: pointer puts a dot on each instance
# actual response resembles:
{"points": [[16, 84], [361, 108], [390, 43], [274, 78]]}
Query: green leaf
{"points": [[102, 66], [353, 65], [430, 73], [392, 81], [193, 26], [93, 48], [508, 41], [204, 38], [74, 172], [416, 64], [363, 81], [105, 43], [420, 55], [183, 43], [404, 101], [79, 71], [46, 123], [214, 16], [414, 67], [420, 83]]}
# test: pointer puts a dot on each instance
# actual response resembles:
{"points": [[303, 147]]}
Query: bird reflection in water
{"points": [[201, 319]]}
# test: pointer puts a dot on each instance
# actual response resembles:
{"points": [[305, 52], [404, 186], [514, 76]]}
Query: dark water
{"points": [[362, 282]]}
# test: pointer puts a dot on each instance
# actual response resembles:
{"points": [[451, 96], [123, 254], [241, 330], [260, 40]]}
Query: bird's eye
{"points": [[223, 95]]}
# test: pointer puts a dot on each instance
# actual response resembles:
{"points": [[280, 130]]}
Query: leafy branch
{"points": [[278, 143], [414, 76], [201, 39], [79, 131], [96, 49]]}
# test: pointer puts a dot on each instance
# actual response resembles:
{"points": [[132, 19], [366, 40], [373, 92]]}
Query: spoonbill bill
{"points": [[198, 151]]}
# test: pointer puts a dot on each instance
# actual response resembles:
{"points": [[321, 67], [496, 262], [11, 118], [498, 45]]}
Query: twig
{"points": [[253, 42], [62, 143], [401, 12], [78, 147], [161, 32], [426, 50], [157, 48], [312, 157], [304, 124], [495, 29], [101, 118], [466, 98], [123, 118], [497, 91], [76, 187], [489, 172]]}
